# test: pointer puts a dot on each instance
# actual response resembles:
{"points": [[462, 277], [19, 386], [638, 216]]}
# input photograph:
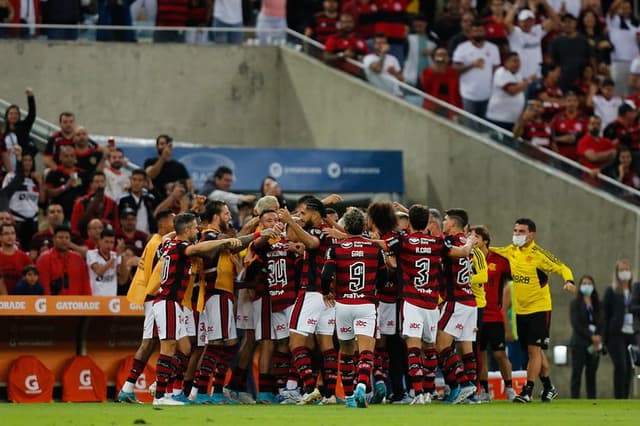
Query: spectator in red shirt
{"points": [[42, 240], [63, 137], [94, 205], [441, 81], [494, 26], [345, 45], [63, 271], [532, 127], [548, 91], [133, 239], [325, 23], [594, 151], [12, 260], [624, 129], [623, 169], [568, 127], [364, 14]]}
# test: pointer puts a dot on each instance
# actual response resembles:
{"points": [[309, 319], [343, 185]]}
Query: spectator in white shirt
{"points": [[381, 68], [526, 38], [623, 31], [476, 60], [106, 270], [117, 176], [421, 47], [507, 96], [604, 103]]}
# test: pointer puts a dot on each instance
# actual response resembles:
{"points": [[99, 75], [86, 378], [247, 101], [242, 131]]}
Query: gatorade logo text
{"points": [[32, 385]]}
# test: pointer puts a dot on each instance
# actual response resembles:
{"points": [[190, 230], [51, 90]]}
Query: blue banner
{"points": [[297, 170]]}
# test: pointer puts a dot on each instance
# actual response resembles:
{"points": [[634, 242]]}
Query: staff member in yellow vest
{"points": [[530, 265]]}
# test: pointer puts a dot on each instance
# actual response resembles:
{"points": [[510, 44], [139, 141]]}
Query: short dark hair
{"points": [[163, 214], [483, 232], [354, 222], [525, 221], [61, 228], [65, 114], [212, 208], [459, 215], [509, 55], [30, 268], [383, 215], [181, 221], [4, 225], [221, 171], [418, 217], [107, 232], [380, 35], [168, 138], [97, 173], [314, 204], [140, 172]]}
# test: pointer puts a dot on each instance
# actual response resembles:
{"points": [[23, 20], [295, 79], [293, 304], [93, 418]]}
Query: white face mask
{"points": [[624, 275], [519, 240]]}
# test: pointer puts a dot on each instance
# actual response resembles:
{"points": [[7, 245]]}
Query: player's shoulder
{"points": [[542, 252]]}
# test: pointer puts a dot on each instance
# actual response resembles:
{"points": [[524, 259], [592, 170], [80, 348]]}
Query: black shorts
{"points": [[533, 329], [491, 335]]}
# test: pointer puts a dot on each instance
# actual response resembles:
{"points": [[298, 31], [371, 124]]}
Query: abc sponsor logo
{"points": [[31, 384], [345, 330], [361, 323], [459, 326], [281, 327]]}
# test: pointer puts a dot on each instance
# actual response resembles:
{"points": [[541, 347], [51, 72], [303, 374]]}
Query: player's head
{"points": [[418, 217], [482, 232], [354, 221], [524, 231], [435, 222], [382, 217], [107, 240], [268, 202], [268, 219], [186, 226], [164, 219], [216, 213], [311, 211], [403, 221], [455, 221]]}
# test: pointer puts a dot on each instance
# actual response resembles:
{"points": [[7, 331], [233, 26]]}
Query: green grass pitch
{"points": [[497, 413]]}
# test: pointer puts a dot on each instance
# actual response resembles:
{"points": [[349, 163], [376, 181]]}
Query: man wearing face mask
{"points": [[530, 265], [594, 151]]}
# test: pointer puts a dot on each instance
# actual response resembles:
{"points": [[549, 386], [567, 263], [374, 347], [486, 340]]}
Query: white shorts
{"points": [[189, 322], [352, 320], [221, 324], [201, 336], [310, 315], [270, 325], [387, 318], [244, 314], [169, 319], [459, 321], [149, 329], [419, 322]]}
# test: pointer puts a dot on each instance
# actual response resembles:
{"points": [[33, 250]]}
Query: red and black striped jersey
{"points": [[176, 269], [392, 20], [359, 265], [323, 26], [564, 124], [390, 292], [172, 13], [538, 133], [420, 261], [279, 277], [54, 143], [316, 258], [457, 274], [499, 272], [210, 264]]}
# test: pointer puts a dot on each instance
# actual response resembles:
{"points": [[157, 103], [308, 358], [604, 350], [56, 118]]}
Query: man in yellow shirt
{"points": [[530, 265]]}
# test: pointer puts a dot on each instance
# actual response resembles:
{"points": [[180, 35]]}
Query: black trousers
{"points": [[622, 371], [583, 360]]}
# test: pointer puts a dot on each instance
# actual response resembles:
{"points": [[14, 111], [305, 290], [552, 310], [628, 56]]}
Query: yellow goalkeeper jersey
{"points": [[530, 267], [479, 277]]}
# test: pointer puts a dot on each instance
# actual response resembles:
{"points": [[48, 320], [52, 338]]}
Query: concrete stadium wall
{"points": [[215, 95], [251, 96]]}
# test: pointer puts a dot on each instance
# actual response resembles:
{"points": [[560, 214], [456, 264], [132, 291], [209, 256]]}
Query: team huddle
{"points": [[379, 300]]}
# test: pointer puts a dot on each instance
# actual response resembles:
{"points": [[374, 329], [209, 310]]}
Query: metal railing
{"points": [[301, 43]]}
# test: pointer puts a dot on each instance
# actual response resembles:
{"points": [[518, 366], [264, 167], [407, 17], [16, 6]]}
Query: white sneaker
{"points": [[246, 398], [230, 394], [418, 400], [152, 388], [290, 397], [310, 398], [427, 398], [511, 393], [485, 396], [166, 401], [328, 401]]}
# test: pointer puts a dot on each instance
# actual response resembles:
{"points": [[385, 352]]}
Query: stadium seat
{"points": [[83, 381], [30, 381], [147, 377]]}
